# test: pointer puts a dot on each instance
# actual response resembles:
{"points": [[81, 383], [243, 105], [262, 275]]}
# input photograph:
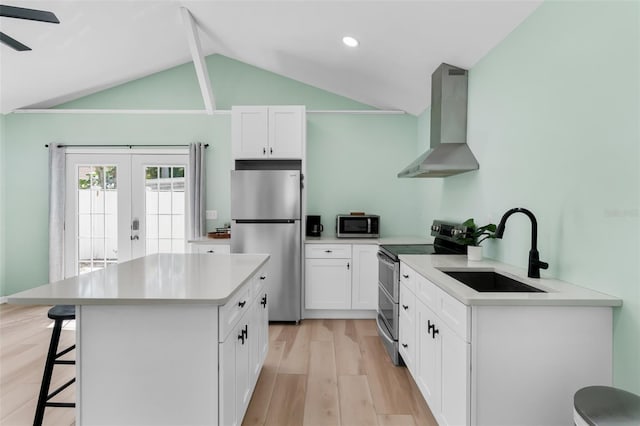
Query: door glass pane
{"points": [[97, 218], [165, 209]]}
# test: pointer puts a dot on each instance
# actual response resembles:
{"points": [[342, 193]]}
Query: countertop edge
{"points": [[583, 297], [372, 241], [213, 241], [12, 299]]}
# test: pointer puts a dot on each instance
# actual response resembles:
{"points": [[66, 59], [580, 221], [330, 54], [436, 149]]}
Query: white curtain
{"points": [[197, 196], [56, 212]]}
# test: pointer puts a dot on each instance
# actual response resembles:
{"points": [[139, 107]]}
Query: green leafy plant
{"points": [[475, 235]]}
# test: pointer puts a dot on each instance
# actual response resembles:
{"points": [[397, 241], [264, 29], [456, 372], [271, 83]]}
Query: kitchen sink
{"points": [[490, 281]]}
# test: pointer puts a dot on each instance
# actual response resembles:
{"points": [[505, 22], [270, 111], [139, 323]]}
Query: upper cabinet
{"points": [[268, 132]]}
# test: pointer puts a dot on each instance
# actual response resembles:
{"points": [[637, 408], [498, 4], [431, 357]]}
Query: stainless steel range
{"points": [[389, 277]]}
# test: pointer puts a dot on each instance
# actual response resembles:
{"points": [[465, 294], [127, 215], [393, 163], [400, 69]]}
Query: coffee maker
{"points": [[314, 227]]}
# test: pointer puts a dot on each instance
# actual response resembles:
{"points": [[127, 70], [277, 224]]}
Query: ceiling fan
{"points": [[24, 13]]}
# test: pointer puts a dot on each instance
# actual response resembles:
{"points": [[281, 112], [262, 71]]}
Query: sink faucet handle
{"points": [[543, 265]]}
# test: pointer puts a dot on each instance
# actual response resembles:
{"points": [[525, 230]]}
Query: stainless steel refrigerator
{"points": [[265, 214]]}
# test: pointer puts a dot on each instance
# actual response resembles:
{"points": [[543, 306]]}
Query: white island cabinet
{"points": [[485, 359], [166, 339]]}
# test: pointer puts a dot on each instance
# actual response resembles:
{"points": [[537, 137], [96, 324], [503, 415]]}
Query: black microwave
{"points": [[357, 226]]}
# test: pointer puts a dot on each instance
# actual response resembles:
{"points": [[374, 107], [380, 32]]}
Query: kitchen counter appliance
{"points": [[357, 226], [445, 242], [265, 213]]}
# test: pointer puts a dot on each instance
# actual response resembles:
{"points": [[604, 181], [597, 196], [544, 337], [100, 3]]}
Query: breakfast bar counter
{"points": [[155, 334]]}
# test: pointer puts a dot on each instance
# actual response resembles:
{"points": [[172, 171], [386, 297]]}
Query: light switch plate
{"points": [[212, 214]]}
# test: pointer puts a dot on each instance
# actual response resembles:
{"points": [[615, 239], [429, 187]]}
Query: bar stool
{"points": [[58, 313], [605, 405]]}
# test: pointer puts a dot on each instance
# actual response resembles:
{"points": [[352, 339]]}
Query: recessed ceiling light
{"points": [[350, 41]]}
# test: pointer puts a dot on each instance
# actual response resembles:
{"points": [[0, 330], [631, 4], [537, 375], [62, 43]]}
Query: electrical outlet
{"points": [[212, 214]]}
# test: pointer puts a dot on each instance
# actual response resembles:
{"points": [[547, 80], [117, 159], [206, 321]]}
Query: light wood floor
{"points": [[321, 372]]}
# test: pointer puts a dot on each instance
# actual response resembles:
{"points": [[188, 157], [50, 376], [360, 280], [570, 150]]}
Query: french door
{"points": [[122, 206]]}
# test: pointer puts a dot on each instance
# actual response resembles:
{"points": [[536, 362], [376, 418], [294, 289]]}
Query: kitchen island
{"points": [[165, 339], [499, 357]]}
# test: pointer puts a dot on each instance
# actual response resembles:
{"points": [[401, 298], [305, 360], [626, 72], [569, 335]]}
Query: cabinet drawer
{"points": [[455, 314], [427, 292], [232, 311], [448, 308], [211, 248], [257, 283], [407, 277], [327, 251], [407, 328]]}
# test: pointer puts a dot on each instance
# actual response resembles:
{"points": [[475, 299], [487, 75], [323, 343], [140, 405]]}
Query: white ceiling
{"points": [[100, 44]]}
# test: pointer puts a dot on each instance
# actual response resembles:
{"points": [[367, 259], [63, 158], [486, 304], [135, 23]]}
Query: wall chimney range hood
{"points": [[449, 154]]}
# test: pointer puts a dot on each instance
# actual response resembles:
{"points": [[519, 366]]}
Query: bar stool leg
{"points": [[48, 371]]}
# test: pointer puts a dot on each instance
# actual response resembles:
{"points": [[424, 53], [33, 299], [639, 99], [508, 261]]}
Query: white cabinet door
{"points": [[364, 283], [407, 325], [259, 337], [227, 381], [243, 370], [263, 132], [328, 283], [249, 132], [455, 383], [428, 361], [286, 131], [263, 309]]}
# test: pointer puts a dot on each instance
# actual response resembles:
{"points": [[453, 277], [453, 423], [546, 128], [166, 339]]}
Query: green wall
{"points": [[353, 162], [350, 156], [553, 120]]}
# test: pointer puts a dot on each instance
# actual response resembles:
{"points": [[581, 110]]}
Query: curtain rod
{"points": [[120, 146]]}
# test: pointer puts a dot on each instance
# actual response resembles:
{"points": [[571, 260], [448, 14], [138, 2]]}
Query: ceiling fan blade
{"points": [[29, 14], [13, 43]]}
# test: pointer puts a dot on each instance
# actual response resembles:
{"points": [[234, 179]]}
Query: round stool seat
{"points": [[605, 405], [62, 312]]}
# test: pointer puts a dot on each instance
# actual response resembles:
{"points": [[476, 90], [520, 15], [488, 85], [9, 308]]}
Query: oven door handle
{"points": [[382, 331], [385, 259]]}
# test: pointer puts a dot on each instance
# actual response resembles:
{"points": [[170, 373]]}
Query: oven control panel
{"points": [[447, 230]]}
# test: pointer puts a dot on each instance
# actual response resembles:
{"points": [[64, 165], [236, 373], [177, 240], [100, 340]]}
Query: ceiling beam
{"points": [[198, 60]]}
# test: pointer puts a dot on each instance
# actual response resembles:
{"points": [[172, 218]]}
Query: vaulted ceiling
{"points": [[99, 44]]}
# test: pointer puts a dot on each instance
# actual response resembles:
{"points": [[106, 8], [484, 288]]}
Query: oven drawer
{"points": [[388, 311], [327, 251]]}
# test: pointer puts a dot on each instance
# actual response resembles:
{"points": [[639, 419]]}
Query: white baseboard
{"points": [[339, 314], [3, 299]]}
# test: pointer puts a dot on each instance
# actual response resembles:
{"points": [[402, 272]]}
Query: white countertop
{"points": [[384, 240], [558, 292], [153, 279]]}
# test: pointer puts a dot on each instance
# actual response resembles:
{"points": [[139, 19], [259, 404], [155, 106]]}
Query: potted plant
{"points": [[474, 236]]}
